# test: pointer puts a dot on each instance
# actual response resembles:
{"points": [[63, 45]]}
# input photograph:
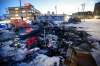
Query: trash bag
{"points": [[6, 35], [31, 42], [30, 34], [2, 26], [20, 54], [43, 60], [7, 51]]}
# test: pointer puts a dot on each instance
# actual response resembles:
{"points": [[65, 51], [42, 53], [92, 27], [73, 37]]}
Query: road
{"points": [[92, 26]]}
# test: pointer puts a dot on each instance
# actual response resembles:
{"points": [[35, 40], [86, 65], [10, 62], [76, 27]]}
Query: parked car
{"points": [[74, 20]]}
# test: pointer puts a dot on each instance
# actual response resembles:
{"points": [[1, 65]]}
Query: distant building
{"points": [[6, 16], [82, 15], [26, 12], [51, 17], [97, 10]]}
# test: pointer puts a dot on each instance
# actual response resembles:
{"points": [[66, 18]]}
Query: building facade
{"points": [[26, 12], [82, 15], [97, 10]]}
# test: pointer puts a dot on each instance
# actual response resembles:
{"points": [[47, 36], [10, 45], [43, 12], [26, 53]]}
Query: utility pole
{"points": [[78, 9], [21, 9], [83, 10], [56, 9]]}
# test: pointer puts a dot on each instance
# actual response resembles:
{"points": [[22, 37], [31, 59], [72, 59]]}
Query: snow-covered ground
{"points": [[92, 26], [4, 21]]}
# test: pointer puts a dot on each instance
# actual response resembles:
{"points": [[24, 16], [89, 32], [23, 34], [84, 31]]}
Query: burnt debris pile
{"points": [[45, 45]]}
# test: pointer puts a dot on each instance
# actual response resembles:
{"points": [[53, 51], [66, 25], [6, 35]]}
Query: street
{"points": [[91, 26]]}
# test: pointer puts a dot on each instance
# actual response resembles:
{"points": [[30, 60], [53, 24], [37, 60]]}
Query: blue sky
{"points": [[63, 6]]}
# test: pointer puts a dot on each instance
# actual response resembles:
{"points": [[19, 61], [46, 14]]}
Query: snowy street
{"points": [[91, 26]]}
